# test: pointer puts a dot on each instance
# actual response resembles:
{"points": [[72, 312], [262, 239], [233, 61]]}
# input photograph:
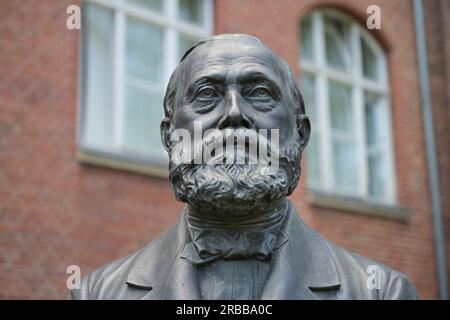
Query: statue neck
{"points": [[252, 221]]}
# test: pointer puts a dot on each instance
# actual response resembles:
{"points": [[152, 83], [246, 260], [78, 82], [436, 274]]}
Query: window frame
{"points": [[117, 156], [322, 73]]}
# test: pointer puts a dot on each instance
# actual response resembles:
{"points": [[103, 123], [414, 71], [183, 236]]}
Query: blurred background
{"points": [[83, 175]]}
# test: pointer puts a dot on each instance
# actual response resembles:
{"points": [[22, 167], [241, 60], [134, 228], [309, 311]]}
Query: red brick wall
{"points": [[55, 211], [437, 17]]}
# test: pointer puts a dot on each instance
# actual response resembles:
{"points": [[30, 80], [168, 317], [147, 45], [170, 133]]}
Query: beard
{"points": [[231, 190]]}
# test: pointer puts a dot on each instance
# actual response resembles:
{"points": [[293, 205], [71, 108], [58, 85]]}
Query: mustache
{"points": [[229, 146]]}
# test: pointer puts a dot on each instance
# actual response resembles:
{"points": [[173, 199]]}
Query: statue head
{"points": [[234, 85]]}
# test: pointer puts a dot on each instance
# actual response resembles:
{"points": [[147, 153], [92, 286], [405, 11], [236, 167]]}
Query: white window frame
{"points": [[172, 26], [322, 73]]}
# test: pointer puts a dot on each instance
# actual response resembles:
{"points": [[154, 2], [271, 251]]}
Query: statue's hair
{"points": [[169, 98]]}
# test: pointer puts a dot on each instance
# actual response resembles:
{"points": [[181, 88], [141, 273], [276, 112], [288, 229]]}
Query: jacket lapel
{"points": [[182, 284], [303, 268], [160, 270]]}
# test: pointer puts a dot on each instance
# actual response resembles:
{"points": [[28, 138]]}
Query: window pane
{"points": [[340, 103], [334, 57], [375, 120], [98, 42], [376, 141], [142, 117], [309, 97], [313, 156], [345, 165], [337, 43], [144, 57], [191, 11], [156, 5], [185, 42], [377, 178], [306, 38], [370, 68]]}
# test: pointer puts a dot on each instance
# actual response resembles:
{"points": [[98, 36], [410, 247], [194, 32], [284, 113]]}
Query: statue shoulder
{"points": [[126, 277], [106, 282], [368, 279]]}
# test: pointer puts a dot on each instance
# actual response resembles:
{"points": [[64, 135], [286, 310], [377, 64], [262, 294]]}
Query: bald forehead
{"points": [[223, 53]]}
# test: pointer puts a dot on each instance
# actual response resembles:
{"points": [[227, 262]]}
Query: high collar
{"points": [[299, 268], [258, 221]]}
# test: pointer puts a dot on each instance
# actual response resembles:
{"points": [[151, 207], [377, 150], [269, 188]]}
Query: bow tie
{"points": [[211, 245]]}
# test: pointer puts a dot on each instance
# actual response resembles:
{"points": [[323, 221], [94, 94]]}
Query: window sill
{"points": [[356, 205], [119, 162]]}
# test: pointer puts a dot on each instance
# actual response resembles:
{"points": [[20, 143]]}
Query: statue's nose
{"points": [[234, 117]]}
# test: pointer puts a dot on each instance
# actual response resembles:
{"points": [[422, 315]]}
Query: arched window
{"points": [[345, 84]]}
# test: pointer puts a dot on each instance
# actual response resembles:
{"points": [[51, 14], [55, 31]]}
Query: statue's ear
{"points": [[304, 130], [165, 133]]}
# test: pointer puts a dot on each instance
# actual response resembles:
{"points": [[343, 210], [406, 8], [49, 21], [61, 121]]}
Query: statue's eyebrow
{"points": [[214, 77], [252, 76], [256, 76]]}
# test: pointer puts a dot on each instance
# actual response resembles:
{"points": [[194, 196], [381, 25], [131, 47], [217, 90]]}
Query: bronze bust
{"points": [[238, 237]]}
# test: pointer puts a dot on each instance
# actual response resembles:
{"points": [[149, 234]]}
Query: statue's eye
{"points": [[260, 92], [206, 93]]}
